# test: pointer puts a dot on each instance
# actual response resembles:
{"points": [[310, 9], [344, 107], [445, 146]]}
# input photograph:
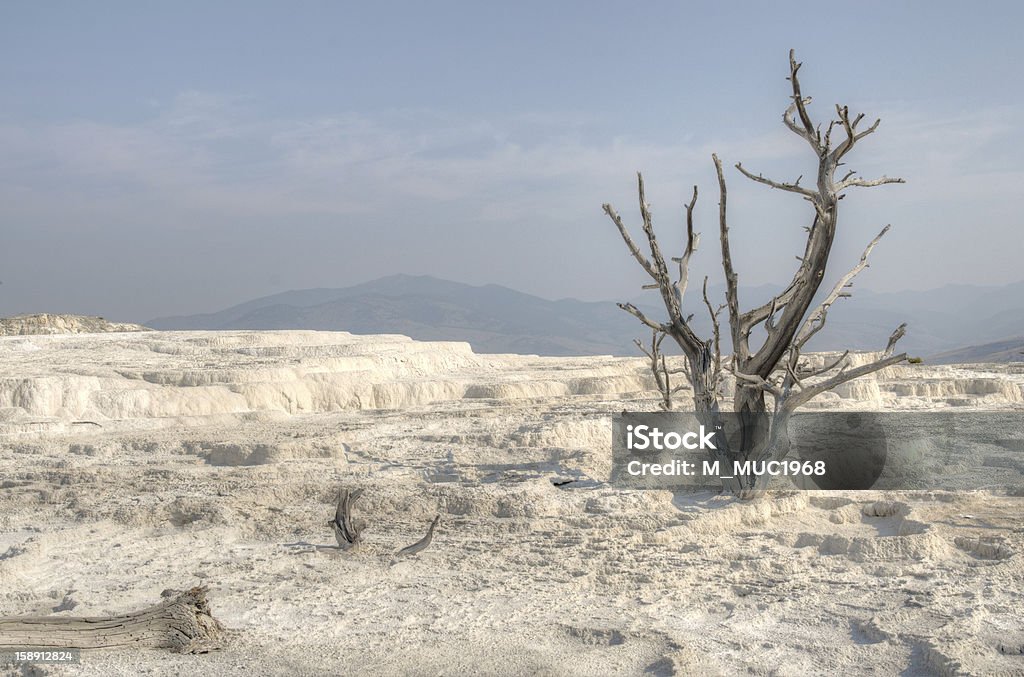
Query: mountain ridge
{"points": [[497, 319]]}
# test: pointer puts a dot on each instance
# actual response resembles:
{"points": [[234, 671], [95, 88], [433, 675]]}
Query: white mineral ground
{"points": [[133, 463]]}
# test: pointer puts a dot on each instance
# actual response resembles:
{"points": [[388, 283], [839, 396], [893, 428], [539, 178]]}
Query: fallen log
{"points": [[183, 624]]}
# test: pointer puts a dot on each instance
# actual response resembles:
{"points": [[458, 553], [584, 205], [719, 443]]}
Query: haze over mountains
{"points": [[495, 319]]}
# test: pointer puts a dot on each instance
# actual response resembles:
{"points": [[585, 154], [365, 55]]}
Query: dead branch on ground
{"points": [[183, 624]]}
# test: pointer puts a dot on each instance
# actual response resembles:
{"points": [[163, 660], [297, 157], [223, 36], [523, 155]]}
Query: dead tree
{"points": [[182, 623], [772, 369]]}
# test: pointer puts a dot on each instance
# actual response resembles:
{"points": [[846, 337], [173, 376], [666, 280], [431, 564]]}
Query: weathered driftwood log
{"points": [[183, 624], [345, 530], [420, 544]]}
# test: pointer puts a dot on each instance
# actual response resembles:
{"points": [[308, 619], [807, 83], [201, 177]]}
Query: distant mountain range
{"points": [[1010, 350], [495, 319], [491, 318]]}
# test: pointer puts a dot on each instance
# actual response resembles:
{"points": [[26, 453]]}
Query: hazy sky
{"points": [[164, 158]]}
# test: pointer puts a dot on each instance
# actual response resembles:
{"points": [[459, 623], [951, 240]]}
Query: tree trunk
{"points": [[183, 624], [749, 406]]}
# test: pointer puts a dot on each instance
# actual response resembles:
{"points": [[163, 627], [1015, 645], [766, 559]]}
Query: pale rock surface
{"points": [[45, 323], [133, 463]]}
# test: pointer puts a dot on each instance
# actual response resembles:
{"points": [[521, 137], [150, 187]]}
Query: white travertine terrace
{"points": [[133, 463], [156, 376]]}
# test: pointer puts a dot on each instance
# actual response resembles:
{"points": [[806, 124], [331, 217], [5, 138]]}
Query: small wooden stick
{"points": [[420, 544]]}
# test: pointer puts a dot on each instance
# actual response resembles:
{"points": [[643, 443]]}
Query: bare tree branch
{"points": [[811, 391], [852, 136], [758, 381], [757, 315], [630, 244], [896, 336], [827, 368], [808, 131], [665, 286], [692, 240], [639, 344], [769, 321], [739, 341], [816, 320], [716, 329], [659, 368], [668, 390], [794, 187], [635, 312], [865, 183], [791, 377], [791, 122]]}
